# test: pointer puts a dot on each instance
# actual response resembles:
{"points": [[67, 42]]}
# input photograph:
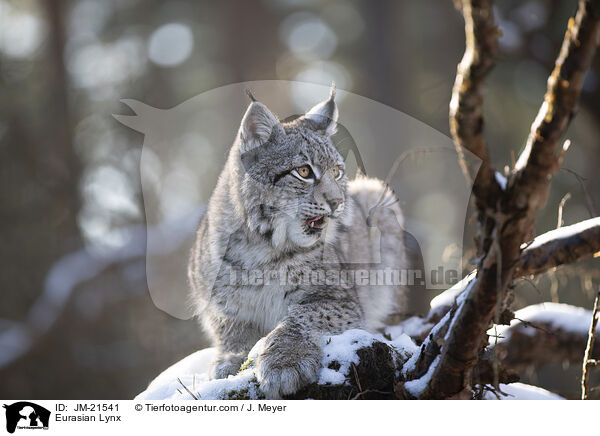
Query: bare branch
{"points": [[538, 160], [466, 105], [561, 206], [588, 362]]}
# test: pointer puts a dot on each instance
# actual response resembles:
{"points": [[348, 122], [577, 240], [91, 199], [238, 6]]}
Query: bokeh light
{"points": [[170, 44]]}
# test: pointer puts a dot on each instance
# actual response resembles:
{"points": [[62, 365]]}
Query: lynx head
{"points": [[293, 179]]}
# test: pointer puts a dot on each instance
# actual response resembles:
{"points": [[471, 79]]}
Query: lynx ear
{"points": [[257, 126], [324, 115]]}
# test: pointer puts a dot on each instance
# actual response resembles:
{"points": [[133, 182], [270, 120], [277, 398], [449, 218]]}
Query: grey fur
{"points": [[257, 220]]}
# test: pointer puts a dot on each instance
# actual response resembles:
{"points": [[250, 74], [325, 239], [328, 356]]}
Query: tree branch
{"points": [[466, 105], [453, 345], [460, 336], [588, 361], [561, 246], [538, 160], [541, 334]]}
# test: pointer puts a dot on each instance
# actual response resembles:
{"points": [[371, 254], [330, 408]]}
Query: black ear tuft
{"points": [[249, 93], [324, 115]]}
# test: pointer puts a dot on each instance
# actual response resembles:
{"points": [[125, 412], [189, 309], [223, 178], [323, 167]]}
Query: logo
{"points": [[26, 415]]}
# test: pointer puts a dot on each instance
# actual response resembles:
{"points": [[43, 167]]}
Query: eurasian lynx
{"points": [[283, 209]]}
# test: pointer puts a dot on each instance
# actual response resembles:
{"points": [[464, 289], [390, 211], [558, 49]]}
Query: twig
{"points": [[589, 202], [356, 377], [532, 325], [186, 388], [587, 359], [368, 391], [561, 206], [528, 280]]}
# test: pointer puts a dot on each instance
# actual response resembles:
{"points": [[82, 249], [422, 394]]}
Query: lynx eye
{"points": [[304, 173], [338, 172]]}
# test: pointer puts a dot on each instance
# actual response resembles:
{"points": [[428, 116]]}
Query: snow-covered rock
{"points": [[339, 353], [188, 379]]}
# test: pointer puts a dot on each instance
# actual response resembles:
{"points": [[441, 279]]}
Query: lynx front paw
{"points": [[283, 369]]}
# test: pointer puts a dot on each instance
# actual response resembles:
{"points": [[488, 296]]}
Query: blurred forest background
{"points": [[76, 319]]}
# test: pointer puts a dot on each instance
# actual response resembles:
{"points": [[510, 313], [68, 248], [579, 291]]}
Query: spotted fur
{"points": [[258, 218]]}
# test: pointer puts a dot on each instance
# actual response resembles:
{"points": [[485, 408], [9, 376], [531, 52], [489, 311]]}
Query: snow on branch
{"points": [[541, 334], [561, 246]]}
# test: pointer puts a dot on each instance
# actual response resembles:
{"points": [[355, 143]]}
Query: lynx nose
{"points": [[334, 203]]}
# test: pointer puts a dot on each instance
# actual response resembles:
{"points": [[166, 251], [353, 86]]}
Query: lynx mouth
{"points": [[316, 223]]}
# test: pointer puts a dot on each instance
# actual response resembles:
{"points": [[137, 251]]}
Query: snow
{"points": [[342, 349], [404, 344], [414, 326], [559, 316], [521, 391], [447, 297], [409, 365], [417, 386], [460, 299], [501, 180], [193, 373], [224, 388], [396, 330], [193, 370], [163, 386], [563, 233]]}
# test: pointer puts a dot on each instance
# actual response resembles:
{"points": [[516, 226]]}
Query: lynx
{"points": [[283, 208]]}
